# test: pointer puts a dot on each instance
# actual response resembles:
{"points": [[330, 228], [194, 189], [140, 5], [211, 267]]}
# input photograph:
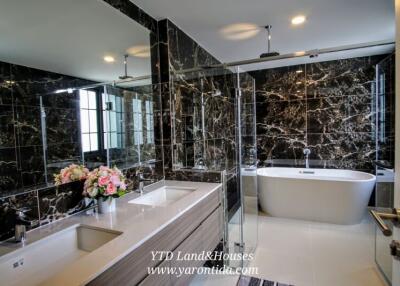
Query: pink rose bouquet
{"points": [[105, 182], [70, 174]]}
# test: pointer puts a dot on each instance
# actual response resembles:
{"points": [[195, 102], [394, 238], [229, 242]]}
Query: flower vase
{"points": [[106, 205]]}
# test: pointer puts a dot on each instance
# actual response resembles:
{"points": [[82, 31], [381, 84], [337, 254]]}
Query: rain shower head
{"points": [[125, 76], [269, 53]]}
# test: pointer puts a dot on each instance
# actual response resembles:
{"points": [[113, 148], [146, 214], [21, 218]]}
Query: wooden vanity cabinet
{"points": [[197, 230]]}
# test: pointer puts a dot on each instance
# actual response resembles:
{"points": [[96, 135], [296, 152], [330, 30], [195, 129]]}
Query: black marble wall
{"points": [[326, 106], [186, 136], [214, 139], [45, 205], [184, 139], [135, 13]]}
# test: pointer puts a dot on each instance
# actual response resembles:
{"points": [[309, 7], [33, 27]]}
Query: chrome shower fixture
{"points": [[269, 53], [313, 54], [125, 76]]}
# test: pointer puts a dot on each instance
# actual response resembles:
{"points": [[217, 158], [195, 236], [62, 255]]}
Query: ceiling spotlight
{"points": [[109, 59], [298, 20]]}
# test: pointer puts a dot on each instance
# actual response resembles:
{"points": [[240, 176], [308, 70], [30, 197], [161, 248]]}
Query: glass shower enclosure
{"points": [[214, 131], [246, 119], [384, 136]]}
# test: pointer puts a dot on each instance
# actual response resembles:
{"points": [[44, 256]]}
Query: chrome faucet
{"points": [[200, 164], [21, 222], [142, 179], [307, 153]]}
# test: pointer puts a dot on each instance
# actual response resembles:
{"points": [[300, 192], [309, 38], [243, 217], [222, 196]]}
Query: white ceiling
{"points": [[330, 23], [70, 37]]}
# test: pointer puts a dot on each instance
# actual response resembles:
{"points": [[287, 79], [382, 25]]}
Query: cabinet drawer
{"points": [[192, 245], [204, 239], [158, 279], [212, 229]]}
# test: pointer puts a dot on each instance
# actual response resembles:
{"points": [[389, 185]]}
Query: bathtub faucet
{"points": [[307, 153]]}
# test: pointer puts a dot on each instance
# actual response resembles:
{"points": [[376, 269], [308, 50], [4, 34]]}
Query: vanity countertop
{"points": [[136, 222]]}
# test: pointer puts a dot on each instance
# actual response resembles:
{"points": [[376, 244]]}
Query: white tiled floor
{"points": [[215, 280], [307, 253]]}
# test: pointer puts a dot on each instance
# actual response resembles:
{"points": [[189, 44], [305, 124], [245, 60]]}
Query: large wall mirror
{"points": [[61, 96]]}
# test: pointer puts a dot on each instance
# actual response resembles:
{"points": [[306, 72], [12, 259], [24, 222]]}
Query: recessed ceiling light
{"points": [[299, 82], [298, 20], [139, 51], [109, 59], [240, 31]]}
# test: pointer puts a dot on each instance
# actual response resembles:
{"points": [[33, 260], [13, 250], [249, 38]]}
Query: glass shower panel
{"points": [[188, 126], [213, 129], [248, 161], [203, 124], [242, 213], [384, 135]]}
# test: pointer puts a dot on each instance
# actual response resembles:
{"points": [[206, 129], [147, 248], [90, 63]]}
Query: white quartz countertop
{"points": [[136, 222]]}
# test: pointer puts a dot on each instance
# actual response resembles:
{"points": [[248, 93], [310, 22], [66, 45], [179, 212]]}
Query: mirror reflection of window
{"points": [[103, 123], [137, 120], [89, 120], [114, 133], [149, 122]]}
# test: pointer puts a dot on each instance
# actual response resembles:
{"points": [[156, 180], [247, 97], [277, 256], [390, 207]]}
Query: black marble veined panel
{"points": [[341, 77], [7, 127], [5, 84], [281, 117], [280, 146], [284, 83], [343, 150], [8, 207]]}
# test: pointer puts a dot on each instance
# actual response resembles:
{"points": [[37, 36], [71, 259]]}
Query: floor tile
{"points": [[310, 253]]}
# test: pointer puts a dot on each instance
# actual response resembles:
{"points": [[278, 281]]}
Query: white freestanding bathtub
{"points": [[323, 195]]}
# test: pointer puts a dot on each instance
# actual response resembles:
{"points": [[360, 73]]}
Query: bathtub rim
{"points": [[315, 177]]}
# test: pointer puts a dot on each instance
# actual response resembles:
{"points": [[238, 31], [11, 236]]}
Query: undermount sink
{"points": [[37, 262], [162, 196]]}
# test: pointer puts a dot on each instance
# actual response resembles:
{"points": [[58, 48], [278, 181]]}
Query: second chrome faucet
{"points": [[142, 180], [307, 153]]}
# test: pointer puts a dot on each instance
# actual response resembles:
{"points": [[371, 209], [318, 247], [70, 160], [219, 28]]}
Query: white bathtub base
{"points": [[331, 196]]}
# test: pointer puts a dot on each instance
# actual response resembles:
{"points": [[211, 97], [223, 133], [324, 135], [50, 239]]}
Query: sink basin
{"points": [[162, 196], [36, 262]]}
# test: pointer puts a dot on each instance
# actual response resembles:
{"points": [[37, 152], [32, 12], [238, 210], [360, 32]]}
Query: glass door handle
{"points": [[380, 217]]}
